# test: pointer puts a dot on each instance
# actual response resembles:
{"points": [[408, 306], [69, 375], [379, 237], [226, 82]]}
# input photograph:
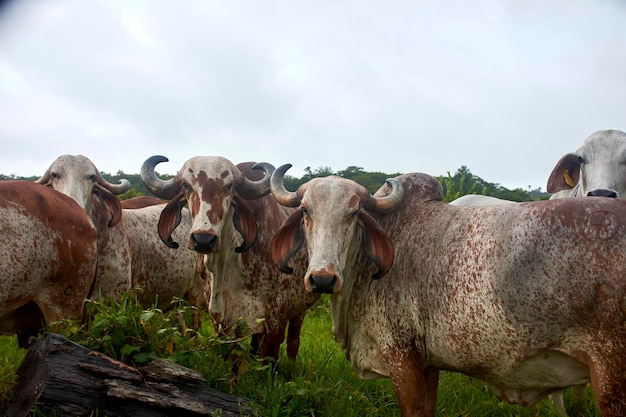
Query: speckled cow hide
{"points": [[235, 233], [130, 252], [528, 297], [47, 258]]}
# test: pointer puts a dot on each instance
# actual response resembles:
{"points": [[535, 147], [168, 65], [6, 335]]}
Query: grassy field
{"points": [[319, 383]]}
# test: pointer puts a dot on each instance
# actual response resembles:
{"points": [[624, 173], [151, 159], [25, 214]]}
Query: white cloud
{"points": [[505, 88]]}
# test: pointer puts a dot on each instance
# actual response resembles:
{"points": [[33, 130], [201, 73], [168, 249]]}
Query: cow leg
{"points": [[557, 401], [608, 379], [293, 336], [267, 344], [580, 396], [414, 383]]}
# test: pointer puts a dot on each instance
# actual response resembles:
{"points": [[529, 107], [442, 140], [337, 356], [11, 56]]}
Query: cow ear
{"points": [[375, 244], [111, 202], [170, 219], [287, 241], [565, 174], [245, 223]]}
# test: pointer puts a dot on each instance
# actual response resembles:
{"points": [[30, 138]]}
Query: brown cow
{"points": [[529, 298], [48, 249], [234, 220]]}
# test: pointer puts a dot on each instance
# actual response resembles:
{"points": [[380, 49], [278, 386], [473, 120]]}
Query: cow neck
{"points": [[355, 274], [227, 259]]}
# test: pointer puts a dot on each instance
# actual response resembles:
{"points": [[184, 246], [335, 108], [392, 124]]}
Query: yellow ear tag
{"points": [[568, 180]]}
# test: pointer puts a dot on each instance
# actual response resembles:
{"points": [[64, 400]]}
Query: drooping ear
{"points": [[245, 223], [170, 219], [565, 174], [375, 244], [111, 202], [287, 241]]}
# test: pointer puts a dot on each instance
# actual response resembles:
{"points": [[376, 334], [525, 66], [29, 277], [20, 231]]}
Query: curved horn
{"points": [[120, 188], [45, 179], [389, 202], [250, 189], [160, 188], [284, 197]]}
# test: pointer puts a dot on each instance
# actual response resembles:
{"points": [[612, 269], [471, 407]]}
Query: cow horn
{"points": [[120, 188], [389, 202], [284, 197], [45, 179], [250, 189], [160, 188]]}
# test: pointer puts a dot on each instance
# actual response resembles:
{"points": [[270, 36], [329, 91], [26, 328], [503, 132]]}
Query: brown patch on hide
{"points": [[212, 194]]}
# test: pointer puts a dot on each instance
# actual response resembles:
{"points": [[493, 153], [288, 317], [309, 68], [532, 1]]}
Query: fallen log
{"points": [[58, 374]]}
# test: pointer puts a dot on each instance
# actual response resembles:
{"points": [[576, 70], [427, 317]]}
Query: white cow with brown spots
{"points": [[529, 298], [233, 221]]}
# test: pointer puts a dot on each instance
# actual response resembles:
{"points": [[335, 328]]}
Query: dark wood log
{"points": [[58, 374]]}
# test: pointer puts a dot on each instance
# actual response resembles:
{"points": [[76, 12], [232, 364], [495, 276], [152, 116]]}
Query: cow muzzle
{"points": [[204, 242], [603, 192], [323, 283]]}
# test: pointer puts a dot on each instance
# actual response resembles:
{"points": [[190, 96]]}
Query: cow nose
{"points": [[322, 284], [603, 192], [203, 242]]}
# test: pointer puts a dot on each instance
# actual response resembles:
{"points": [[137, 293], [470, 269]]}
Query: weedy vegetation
{"points": [[320, 383]]}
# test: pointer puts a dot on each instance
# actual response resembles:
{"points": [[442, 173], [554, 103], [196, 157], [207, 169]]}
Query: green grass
{"points": [[320, 383], [10, 358]]}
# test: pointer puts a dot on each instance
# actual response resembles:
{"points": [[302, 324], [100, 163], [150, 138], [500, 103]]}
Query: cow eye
{"points": [[581, 159], [54, 175], [304, 210], [185, 187], [92, 177]]}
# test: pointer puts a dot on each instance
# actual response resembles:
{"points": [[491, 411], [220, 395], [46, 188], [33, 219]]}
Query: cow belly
{"points": [[539, 375]]}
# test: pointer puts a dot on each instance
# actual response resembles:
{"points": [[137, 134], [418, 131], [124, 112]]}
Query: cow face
{"points": [[77, 177], [597, 168], [336, 227], [209, 187], [215, 191], [74, 176], [603, 165]]}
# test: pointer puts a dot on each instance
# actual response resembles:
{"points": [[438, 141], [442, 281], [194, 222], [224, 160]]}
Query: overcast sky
{"points": [[503, 87]]}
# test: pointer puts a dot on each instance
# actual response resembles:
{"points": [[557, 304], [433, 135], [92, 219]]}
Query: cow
{"points": [[77, 177], [131, 256], [597, 168], [48, 249], [502, 293], [233, 221], [141, 201], [470, 200]]}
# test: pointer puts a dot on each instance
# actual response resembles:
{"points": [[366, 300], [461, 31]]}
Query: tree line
{"points": [[454, 186]]}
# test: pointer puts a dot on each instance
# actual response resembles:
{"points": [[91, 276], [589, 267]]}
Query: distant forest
{"points": [[454, 186]]}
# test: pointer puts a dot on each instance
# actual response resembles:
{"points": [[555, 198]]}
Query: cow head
{"points": [[215, 191], [330, 211], [597, 168], [77, 177]]}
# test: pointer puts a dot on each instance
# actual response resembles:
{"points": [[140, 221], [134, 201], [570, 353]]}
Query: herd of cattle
{"points": [[530, 297]]}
